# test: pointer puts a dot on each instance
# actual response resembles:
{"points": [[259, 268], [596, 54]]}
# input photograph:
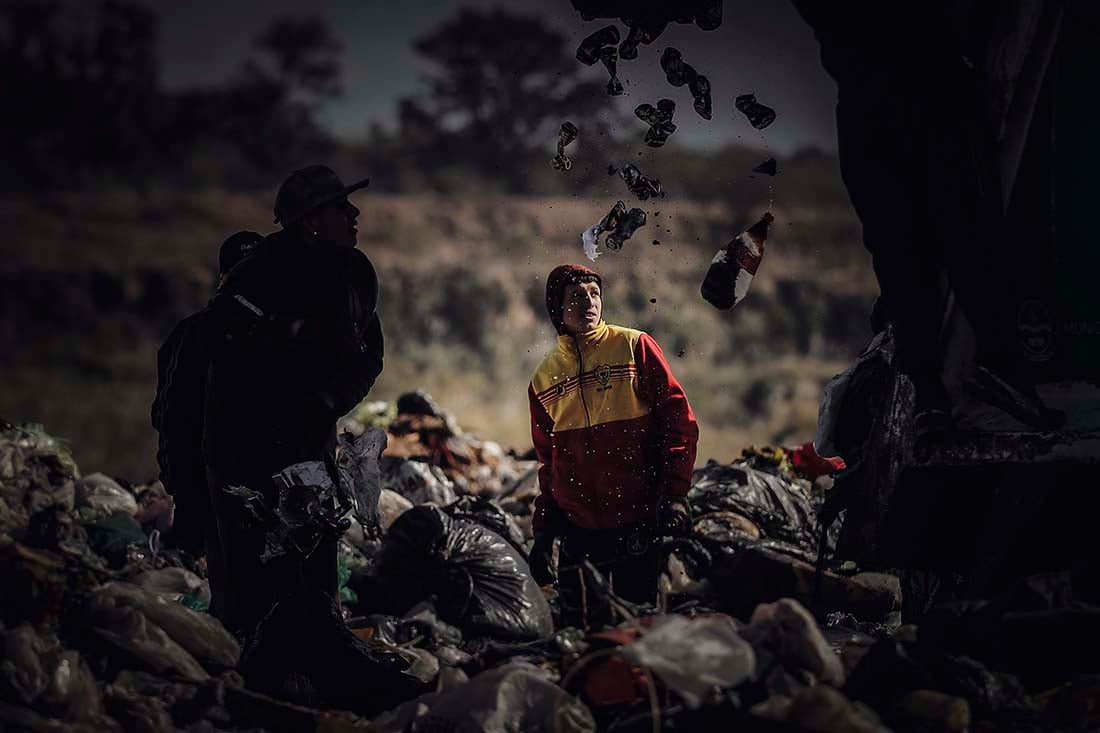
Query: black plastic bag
{"points": [[481, 583], [488, 513]]}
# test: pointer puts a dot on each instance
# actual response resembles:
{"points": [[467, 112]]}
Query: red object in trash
{"points": [[809, 465]]}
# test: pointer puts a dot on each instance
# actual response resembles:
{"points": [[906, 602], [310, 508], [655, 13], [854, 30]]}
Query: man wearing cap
{"points": [[615, 438], [272, 397]]}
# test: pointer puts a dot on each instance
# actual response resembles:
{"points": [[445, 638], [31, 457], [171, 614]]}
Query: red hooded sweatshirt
{"points": [[612, 428]]}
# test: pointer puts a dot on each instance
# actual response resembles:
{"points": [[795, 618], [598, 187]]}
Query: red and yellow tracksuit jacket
{"points": [[612, 428]]}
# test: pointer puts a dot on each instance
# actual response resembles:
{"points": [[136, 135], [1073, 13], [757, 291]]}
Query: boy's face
{"points": [[582, 307]]}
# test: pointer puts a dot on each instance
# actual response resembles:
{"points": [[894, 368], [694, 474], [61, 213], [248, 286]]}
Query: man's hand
{"points": [[542, 559], [674, 517]]}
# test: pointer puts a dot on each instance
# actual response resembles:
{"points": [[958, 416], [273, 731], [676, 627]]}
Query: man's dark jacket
{"points": [[271, 400]]}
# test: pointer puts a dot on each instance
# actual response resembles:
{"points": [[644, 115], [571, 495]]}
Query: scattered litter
{"points": [[566, 135], [681, 353], [693, 656], [481, 583], [99, 497], [641, 186], [659, 119], [760, 116], [733, 268], [652, 300], [768, 167], [656, 243]]}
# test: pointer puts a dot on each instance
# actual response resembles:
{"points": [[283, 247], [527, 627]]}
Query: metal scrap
{"points": [[760, 116], [641, 186], [659, 119], [566, 135]]}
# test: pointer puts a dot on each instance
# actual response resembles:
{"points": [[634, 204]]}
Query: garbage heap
{"points": [[441, 627]]}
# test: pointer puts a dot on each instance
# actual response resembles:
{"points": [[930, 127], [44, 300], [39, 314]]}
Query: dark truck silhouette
{"points": [[969, 141]]}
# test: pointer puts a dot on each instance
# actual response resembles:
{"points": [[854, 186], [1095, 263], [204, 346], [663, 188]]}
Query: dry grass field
{"points": [[91, 283]]}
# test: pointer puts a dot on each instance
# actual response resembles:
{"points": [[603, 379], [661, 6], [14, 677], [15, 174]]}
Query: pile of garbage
{"points": [[440, 626]]}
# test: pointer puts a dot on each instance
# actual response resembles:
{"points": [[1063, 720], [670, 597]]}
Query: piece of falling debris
{"points": [[760, 116], [768, 167], [656, 243], [610, 58], [642, 187], [652, 300], [732, 270], [680, 353], [679, 73], [659, 119], [634, 219], [566, 135], [700, 93], [588, 53], [620, 225]]}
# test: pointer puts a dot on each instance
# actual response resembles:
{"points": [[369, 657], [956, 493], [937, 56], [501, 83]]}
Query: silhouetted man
{"points": [[177, 412], [272, 397]]}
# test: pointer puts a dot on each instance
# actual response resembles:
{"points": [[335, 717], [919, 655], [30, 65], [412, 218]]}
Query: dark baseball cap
{"points": [[306, 189], [236, 248]]}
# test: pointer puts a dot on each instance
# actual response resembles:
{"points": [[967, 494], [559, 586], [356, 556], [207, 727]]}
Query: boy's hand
{"points": [[542, 559], [674, 517]]}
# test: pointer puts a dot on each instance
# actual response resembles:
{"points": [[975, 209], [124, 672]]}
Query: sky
{"points": [[762, 48]]}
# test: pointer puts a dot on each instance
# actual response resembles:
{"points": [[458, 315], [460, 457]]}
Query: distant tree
{"points": [[306, 55], [263, 123], [501, 84], [81, 91]]}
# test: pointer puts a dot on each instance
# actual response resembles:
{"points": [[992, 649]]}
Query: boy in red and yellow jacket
{"points": [[615, 439]]}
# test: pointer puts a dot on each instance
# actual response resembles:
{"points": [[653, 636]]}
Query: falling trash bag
{"points": [[482, 584]]}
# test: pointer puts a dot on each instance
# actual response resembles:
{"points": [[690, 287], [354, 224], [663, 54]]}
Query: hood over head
{"points": [[559, 278]]}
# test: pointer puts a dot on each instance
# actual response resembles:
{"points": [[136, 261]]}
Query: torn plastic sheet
{"points": [[733, 268], [641, 186], [659, 119], [693, 656], [358, 465], [768, 167], [588, 53], [566, 135], [760, 116], [621, 225]]}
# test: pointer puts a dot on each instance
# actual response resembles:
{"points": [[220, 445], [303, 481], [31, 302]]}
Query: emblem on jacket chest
{"points": [[603, 374]]}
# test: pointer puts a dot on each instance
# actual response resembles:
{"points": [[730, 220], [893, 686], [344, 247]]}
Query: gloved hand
{"points": [[542, 559], [674, 517]]}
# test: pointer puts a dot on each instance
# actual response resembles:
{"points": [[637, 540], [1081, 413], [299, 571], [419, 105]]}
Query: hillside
{"points": [[90, 284]]}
